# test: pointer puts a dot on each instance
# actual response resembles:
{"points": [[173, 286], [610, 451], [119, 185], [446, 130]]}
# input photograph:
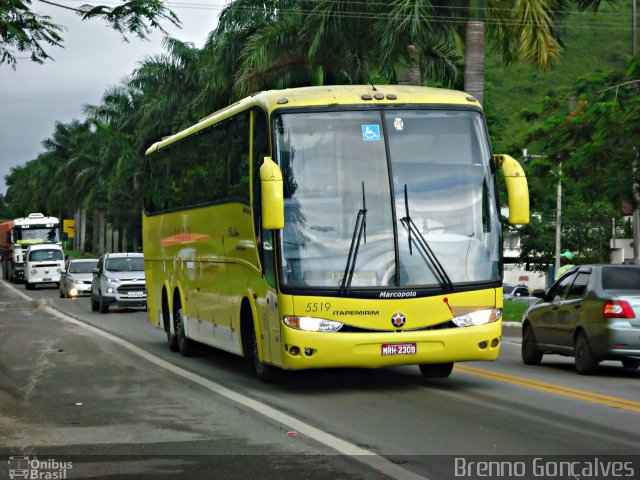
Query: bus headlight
{"points": [[312, 324], [479, 317]]}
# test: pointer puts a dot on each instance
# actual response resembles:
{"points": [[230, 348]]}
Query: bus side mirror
{"points": [[272, 195], [517, 188]]}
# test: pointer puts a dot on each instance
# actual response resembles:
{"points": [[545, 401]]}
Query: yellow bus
{"points": [[335, 226]]}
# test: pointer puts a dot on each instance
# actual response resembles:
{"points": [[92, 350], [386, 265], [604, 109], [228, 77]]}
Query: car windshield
{"points": [[395, 185], [508, 289], [125, 264], [621, 278], [45, 255], [82, 267]]}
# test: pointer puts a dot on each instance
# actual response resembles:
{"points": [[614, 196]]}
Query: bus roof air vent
{"points": [[366, 96], [392, 96], [379, 96], [282, 101]]}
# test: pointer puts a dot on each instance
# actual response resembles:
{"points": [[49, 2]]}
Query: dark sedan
{"points": [[591, 313]]}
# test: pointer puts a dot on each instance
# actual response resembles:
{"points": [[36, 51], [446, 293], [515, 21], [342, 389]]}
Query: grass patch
{"points": [[513, 310]]}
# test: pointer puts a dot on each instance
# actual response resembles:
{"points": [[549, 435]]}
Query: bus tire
{"points": [[436, 370], [265, 373], [185, 345], [172, 340]]}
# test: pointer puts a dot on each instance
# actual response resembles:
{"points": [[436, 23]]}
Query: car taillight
{"points": [[617, 309]]}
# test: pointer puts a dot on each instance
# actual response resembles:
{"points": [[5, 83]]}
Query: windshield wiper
{"points": [[359, 231], [421, 242]]}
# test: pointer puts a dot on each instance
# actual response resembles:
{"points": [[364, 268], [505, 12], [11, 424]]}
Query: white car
{"points": [[43, 264]]}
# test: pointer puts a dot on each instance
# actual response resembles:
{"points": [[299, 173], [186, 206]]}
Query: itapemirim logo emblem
{"points": [[31, 468]]}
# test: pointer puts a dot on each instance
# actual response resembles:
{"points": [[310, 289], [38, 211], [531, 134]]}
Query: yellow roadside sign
{"points": [[69, 227]]}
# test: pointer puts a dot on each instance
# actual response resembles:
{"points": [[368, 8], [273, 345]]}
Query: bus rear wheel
{"points": [[172, 340], [185, 345], [436, 370]]}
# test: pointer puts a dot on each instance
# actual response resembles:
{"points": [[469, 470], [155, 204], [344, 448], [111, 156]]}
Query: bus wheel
{"points": [[265, 373], [185, 345], [436, 370], [172, 340]]}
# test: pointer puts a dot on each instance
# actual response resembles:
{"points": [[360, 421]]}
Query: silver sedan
{"points": [[591, 313], [76, 277]]}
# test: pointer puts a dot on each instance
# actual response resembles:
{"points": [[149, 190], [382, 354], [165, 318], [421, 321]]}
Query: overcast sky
{"points": [[94, 57]]}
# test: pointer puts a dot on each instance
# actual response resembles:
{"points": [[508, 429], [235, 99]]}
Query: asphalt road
{"points": [[404, 424]]}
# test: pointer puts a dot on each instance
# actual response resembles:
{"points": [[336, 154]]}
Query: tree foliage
{"points": [[596, 148], [24, 31], [97, 163]]}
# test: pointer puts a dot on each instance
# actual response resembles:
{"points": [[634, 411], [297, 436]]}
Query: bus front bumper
{"points": [[305, 350]]}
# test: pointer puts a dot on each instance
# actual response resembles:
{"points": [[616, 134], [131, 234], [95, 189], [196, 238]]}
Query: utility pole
{"points": [[527, 156], [636, 193], [558, 218], [634, 28]]}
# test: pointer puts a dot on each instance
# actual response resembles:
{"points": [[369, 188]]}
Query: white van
{"points": [[43, 264]]}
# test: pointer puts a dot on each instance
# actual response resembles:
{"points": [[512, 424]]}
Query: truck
{"points": [[18, 234]]}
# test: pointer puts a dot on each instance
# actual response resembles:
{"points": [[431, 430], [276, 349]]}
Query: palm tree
{"points": [[524, 31]]}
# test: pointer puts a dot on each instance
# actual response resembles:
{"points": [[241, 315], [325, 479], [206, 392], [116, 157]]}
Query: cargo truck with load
{"points": [[18, 234]]}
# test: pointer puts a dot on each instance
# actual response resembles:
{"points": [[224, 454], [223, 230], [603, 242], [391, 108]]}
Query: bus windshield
{"points": [[37, 234], [417, 180]]}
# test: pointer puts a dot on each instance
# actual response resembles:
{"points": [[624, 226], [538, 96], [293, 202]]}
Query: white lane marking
{"points": [[22, 294], [364, 456]]}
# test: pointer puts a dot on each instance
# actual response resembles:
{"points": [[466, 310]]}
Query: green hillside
{"points": [[592, 42]]}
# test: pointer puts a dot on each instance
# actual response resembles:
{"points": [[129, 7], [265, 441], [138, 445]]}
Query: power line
{"points": [[446, 19]]}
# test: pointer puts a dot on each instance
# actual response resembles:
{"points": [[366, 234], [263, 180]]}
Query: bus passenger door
{"points": [[270, 320]]}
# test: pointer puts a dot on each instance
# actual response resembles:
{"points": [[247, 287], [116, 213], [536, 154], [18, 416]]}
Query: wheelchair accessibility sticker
{"points": [[370, 133]]}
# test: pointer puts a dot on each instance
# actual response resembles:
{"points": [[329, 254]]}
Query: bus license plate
{"points": [[136, 294], [399, 349]]}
